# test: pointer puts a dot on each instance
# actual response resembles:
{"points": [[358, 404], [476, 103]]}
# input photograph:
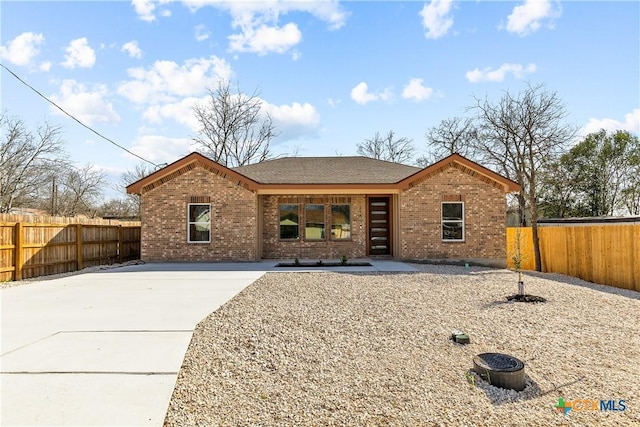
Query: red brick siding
{"points": [[274, 248], [233, 220], [420, 219]]}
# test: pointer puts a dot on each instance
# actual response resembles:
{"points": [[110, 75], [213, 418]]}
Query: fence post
{"points": [[120, 239], [17, 254], [79, 248]]}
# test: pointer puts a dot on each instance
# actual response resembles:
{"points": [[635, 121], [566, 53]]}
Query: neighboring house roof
{"points": [[300, 173], [326, 170]]}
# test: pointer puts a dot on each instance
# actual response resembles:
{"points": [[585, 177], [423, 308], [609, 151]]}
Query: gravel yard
{"points": [[374, 349]]}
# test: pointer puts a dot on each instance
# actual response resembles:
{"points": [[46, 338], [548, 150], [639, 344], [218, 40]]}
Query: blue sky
{"points": [[330, 73]]}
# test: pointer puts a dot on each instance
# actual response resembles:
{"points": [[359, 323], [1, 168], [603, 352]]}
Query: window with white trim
{"points": [[453, 221], [199, 223]]}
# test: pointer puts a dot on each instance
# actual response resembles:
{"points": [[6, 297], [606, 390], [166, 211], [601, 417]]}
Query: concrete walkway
{"points": [[105, 348]]}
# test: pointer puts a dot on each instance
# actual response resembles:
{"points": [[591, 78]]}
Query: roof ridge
{"points": [[335, 158]]}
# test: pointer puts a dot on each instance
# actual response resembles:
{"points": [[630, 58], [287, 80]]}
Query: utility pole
{"points": [[53, 196]]}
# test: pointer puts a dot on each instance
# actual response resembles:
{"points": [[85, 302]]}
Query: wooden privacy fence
{"points": [[604, 254], [32, 249]]}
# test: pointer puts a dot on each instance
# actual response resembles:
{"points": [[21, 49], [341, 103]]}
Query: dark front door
{"points": [[379, 226]]}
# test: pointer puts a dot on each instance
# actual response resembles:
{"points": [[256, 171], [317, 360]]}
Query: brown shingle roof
{"points": [[326, 170], [318, 173]]}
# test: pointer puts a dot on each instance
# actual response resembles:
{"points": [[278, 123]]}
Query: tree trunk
{"points": [[536, 245], [522, 210], [533, 207]]}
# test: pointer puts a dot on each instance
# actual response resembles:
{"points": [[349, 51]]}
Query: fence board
{"points": [[44, 247], [45, 219], [7, 251], [526, 247], [605, 254]]}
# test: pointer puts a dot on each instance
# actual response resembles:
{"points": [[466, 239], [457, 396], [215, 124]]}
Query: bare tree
{"points": [[140, 171], [400, 150], [234, 130], [82, 190], [72, 191], [118, 208], [26, 159], [452, 135], [518, 135]]}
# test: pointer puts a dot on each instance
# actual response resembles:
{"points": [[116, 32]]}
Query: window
{"points": [[314, 222], [199, 227], [340, 222], [289, 220], [453, 221]]}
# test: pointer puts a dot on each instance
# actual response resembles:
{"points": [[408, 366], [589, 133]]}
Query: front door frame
{"points": [[391, 227]]}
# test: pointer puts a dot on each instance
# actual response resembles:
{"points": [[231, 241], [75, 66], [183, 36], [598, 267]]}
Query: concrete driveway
{"points": [[105, 348]]}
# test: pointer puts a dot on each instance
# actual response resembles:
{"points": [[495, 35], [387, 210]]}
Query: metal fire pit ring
{"points": [[500, 370]]}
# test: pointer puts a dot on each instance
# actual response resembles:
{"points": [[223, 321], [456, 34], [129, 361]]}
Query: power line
{"points": [[72, 117]]}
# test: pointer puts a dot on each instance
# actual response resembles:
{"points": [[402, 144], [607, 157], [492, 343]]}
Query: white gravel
{"points": [[303, 349]]}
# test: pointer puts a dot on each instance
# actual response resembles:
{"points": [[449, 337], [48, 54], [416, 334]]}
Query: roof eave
{"points": [[508, 185], [274, 189], [136, 187]]}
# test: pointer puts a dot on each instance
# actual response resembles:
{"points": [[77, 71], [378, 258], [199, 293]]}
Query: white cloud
{"points": [[488, 75], [87, 104], [258, 22], [265, 39], [162, 149], [146, 9], [293, 121], [436, 19], [330, 12], [180, 111], [166, 81], [631, 123], [201, 33], [132, 49], [22, 49], [79, 54], [526, 18], [290, 121], [416, 90], [361, 94], [334, 102], [269, 11], [45, 66]]}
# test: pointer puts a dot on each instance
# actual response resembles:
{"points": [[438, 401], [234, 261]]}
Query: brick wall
{"points": [[234, 223], [420, 219], [274, 248], [233, 220]]}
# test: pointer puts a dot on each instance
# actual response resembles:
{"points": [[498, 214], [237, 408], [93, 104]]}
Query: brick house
{"points": [[323, 207]]}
